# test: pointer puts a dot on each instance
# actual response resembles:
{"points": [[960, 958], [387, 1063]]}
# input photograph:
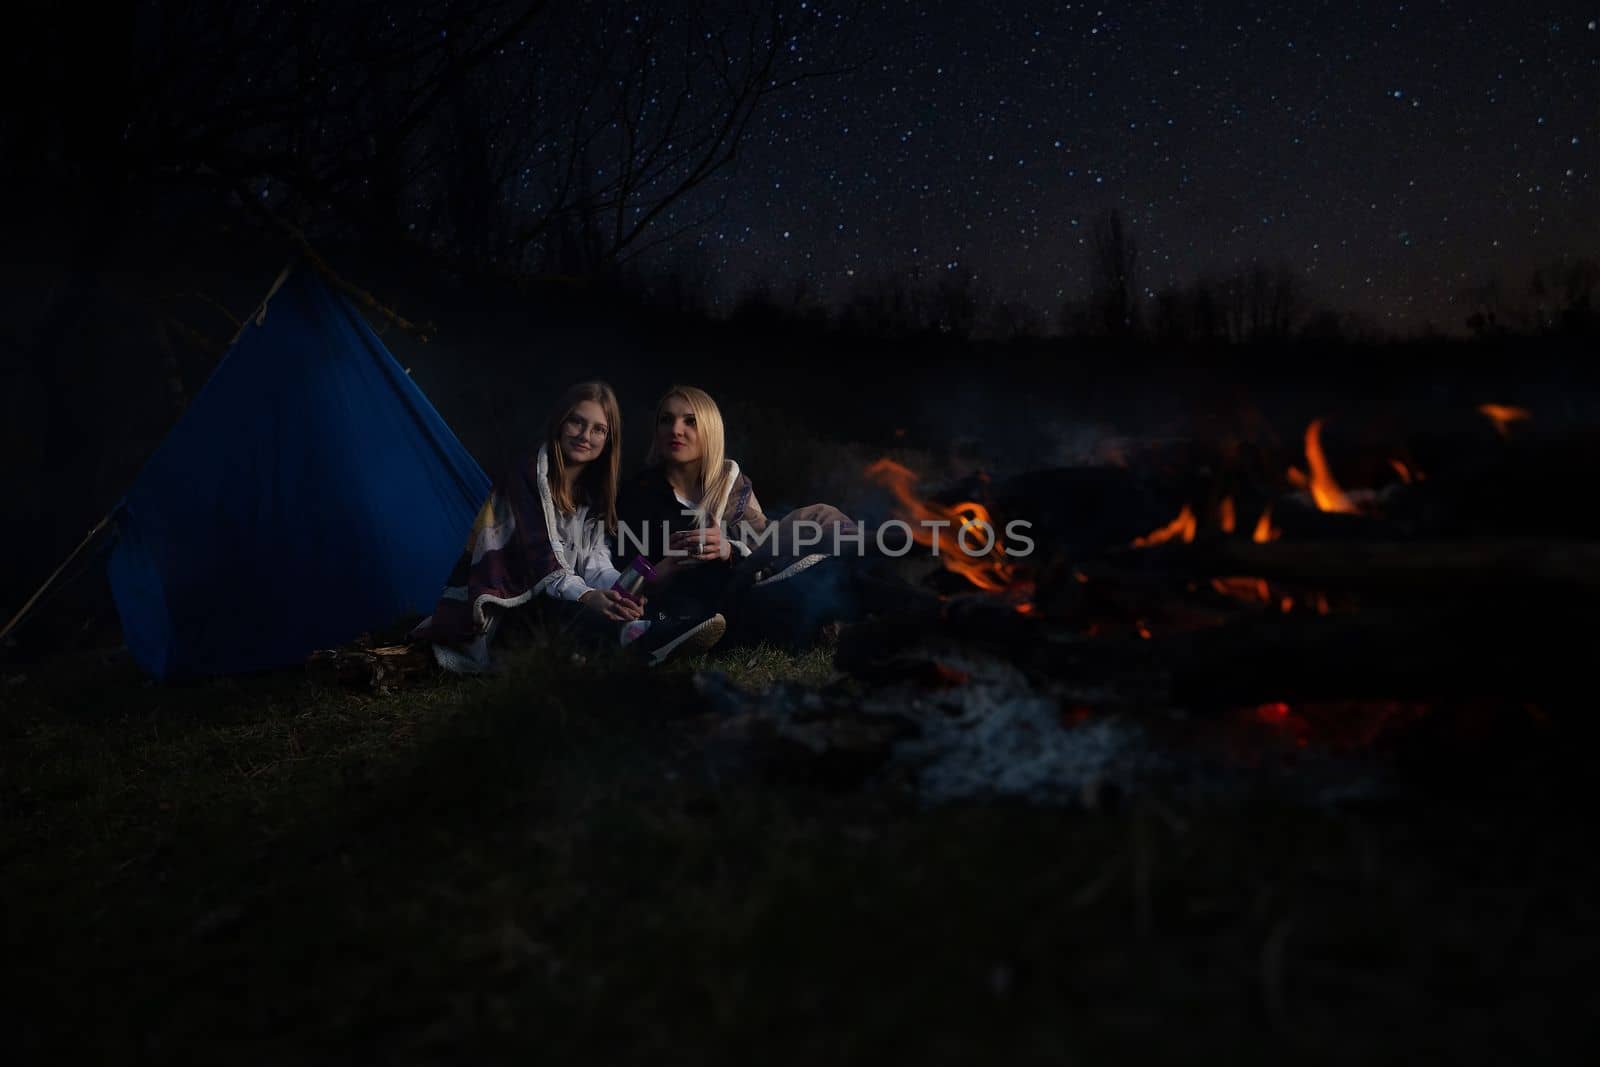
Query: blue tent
{"points": [[309, 493]]}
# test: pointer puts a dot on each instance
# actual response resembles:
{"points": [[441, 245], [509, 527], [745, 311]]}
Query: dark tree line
{"points": [[1559, 299], [1259, 303]]}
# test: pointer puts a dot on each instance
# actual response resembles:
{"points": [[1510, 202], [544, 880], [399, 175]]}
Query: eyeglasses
{"points": [[586, 429]]}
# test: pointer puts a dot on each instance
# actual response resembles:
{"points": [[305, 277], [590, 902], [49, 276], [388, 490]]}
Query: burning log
{"points": [[1083, 509], [1403, 655], [1480, 564], [1435, 647], [1527, 486]]}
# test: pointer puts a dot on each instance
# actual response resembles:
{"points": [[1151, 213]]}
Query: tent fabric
{"points": [[310, 493]]}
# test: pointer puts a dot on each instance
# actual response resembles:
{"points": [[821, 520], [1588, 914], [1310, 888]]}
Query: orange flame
{"points": [[1265, 531], [1503, 415], [1181, 528], [1225, 514], [1324, 490], [1405, 472], [973, 528]]}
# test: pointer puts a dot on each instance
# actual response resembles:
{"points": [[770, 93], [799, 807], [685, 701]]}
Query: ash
{"points": [[996, 736]]}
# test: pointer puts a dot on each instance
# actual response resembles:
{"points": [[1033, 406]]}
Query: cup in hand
{"points": [[633, 577]]}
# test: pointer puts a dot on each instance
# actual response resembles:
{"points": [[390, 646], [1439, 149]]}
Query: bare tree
{"points": [[1488, 312], [681, 282], [886, 305], [483, 131], [1563, 294], [1010, 320], [651, 105], [956, 303], [1114, 274], [1206, 310], [1257, 303], [1170, 315], [1275, 301]]}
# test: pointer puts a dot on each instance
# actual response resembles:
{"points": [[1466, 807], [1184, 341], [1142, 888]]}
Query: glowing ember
{"points": [[1324, 490], [944, 677], [1277, 711], [1265, 531], [1247, 589], [1076, 715], [1407, 475], [1337, 726], [1503, 415], [955, 530], [1181, 528]]}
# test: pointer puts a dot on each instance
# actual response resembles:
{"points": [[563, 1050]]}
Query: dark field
{"points": [[544, 865]]}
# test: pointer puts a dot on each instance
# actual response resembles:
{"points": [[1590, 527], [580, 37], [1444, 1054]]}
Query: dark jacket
{"points": [[649, 511]]}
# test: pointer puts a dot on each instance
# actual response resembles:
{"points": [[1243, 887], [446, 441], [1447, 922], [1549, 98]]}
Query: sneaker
{"points": [[784, 570], [669, 638]]}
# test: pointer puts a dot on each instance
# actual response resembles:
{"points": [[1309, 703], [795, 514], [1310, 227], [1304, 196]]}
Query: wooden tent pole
{"points": [[261, 308], [34, 599], [302, 245]]}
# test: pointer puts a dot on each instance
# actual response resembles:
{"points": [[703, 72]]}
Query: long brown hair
{"points": [[598, 482]]}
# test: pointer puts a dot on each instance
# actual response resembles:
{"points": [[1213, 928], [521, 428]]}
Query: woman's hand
{"points": [[702, 545], [613, 605]]}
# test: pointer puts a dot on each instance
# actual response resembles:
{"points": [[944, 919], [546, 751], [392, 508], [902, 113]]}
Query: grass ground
{"points": [[537, 867]]}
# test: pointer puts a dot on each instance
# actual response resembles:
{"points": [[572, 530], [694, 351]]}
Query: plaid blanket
{"points": [[510, 557]]}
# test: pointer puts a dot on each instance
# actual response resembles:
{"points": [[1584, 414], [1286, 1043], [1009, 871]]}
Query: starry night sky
{"points": [[1393, 153]]}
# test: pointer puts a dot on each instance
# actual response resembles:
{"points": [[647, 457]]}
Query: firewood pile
{"points": [[365, 665], [1210, 611]]}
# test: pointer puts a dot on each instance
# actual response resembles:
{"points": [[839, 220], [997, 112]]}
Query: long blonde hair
{"points": [[598, 482], [716, 472]]}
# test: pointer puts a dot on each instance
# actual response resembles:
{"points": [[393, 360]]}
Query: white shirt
{"points": [[586, 550]]}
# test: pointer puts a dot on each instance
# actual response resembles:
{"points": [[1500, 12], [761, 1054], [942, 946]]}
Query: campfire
{"points": [[995, 573], [1322, 612]]}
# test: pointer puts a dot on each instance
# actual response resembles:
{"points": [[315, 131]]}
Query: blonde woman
{"points": [[694, 511]]}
